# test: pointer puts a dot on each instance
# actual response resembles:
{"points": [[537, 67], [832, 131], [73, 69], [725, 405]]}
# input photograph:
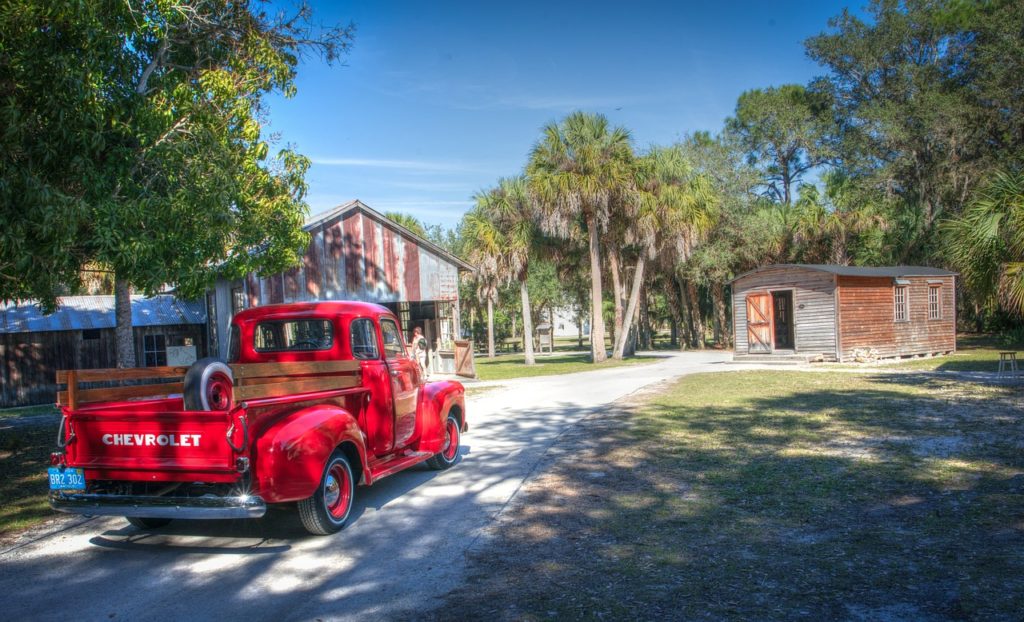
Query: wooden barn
{"points": [[834, 313], [80, 335], [356, 253]]}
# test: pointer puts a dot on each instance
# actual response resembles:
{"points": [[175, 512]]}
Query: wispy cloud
{"points": [[404, 165]]}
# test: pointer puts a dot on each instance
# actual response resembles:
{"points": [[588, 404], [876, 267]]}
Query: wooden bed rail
{"points": [[252, 381]]}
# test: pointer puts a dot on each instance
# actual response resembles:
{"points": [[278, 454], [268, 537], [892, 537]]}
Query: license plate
{"points": [[66, 479]]}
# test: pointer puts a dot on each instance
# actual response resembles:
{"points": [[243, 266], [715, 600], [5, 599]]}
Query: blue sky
{"points": [[437, 100]]}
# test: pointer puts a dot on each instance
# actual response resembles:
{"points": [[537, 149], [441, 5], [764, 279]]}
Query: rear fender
{"points": [[436, 401], [291, 453]]}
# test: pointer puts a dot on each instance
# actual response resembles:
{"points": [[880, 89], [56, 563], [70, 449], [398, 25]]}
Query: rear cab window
{"points": [[294, 335], [364, 340]]}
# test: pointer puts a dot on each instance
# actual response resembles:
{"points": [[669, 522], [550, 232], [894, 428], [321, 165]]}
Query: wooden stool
{"points": [[1007, 363]]}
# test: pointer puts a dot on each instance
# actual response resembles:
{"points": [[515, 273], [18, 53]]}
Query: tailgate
{"points": [[126, 441]]}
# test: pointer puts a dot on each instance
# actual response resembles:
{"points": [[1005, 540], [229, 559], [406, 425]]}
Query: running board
{"points": [[393, 464]]}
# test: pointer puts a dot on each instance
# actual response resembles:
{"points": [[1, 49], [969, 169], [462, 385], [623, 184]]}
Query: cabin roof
{"points": [[856, 271], [95, 312]]}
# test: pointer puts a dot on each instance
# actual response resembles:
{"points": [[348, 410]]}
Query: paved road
{"points": [[404, 545]]}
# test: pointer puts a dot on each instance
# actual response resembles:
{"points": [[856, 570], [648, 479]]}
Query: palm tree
{"points": [[576, 171], [987, 243], [511, 209], [484, 244], [672, 209]]}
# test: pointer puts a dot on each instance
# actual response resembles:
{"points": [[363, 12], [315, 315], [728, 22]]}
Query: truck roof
{"points": [[332, 308]]}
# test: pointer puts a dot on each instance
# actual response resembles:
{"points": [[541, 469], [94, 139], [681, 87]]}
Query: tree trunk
{"points": [[124, 339], [631, 309], [699, 328], [646, 333], [721, 317], [527, 323], [490, 327], [686, 334], [597, 348], [618, 294]]}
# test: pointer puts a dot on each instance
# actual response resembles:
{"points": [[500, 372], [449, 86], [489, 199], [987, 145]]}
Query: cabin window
{"points": [[902, 313], [294, 336], [364, 340], [392, 339], [237, 300], [935, 302], [90, 334], [154, 350]]}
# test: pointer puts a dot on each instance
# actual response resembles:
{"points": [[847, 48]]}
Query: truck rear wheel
{"points": [[327, 510], [147, 523], [450, 451]]}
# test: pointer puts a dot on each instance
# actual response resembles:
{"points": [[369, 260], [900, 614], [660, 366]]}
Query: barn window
{"points": [[91, 334], [154, 350], [901, 312], [935, 302]]}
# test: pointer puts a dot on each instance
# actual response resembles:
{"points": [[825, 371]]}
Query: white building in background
{"points": [[566, 325]]}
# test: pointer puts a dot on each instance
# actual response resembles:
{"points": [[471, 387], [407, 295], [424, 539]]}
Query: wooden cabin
{"points": [[80, 335], [834, 313]]}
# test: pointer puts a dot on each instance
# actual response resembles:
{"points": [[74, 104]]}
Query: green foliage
{"points": [[409, 222], [987, 243], [132, 141], [783, 132]]}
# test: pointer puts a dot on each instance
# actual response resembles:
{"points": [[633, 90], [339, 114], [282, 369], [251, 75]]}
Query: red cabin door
{"points": [[759, 323]]}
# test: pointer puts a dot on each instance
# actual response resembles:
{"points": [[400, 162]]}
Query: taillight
{"points": [[57, 458]]}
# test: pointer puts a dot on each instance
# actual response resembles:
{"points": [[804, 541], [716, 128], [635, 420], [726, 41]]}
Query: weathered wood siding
{"points": [[867, 317], [357, 257], [814, 327], [29, 361]]}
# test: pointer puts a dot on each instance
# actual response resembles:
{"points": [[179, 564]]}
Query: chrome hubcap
{"points": [[332, 491]]}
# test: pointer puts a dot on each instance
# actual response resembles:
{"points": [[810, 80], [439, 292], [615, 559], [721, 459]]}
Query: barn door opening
{"points": [[759, 323], [782, 313]]}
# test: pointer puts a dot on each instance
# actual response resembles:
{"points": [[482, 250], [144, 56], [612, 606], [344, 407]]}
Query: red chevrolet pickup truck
{"points": [[314, 399]]}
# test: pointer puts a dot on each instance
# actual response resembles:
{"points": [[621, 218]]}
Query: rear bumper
{"points": [[211, 507]]}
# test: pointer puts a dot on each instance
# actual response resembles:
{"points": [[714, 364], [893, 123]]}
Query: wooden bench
{"points": [[252, 381]]}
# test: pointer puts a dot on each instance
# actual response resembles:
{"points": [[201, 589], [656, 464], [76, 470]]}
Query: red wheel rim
{"points": [[337, 491], [451, 440], [218, 392]]}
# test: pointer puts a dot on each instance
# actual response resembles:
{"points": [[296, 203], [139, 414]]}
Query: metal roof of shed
{"points": [[90, 312], [857, 271]]}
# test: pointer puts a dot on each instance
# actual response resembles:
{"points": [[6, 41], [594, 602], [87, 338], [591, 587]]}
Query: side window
{"points": [[392, 339], [364, 340]]}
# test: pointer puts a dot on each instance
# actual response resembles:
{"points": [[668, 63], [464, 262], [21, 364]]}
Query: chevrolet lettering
{"points": [[314, 400], [149, 440]]}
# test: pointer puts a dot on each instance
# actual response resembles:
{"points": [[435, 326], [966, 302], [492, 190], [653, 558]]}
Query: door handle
{"points": [[395, 373]]}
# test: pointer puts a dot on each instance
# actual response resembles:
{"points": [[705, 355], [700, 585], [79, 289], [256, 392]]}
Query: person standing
{"points": [[419, 349]]}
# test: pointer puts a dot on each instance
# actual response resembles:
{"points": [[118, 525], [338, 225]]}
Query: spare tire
{"points": [[209, 385]]}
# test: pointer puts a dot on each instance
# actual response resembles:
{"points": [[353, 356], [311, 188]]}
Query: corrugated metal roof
{"points": [[86, 312], [862, 271]]}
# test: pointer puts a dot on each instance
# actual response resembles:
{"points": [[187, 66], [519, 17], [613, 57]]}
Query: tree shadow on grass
{"points": [[868, 503]]}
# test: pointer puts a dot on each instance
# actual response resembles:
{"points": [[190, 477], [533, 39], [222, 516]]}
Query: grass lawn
{"points": [[508, 366], [772, 495], [24, 457], [974, 353]]}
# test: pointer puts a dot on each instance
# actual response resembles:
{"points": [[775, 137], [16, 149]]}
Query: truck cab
{"points": [[313, 400]]}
